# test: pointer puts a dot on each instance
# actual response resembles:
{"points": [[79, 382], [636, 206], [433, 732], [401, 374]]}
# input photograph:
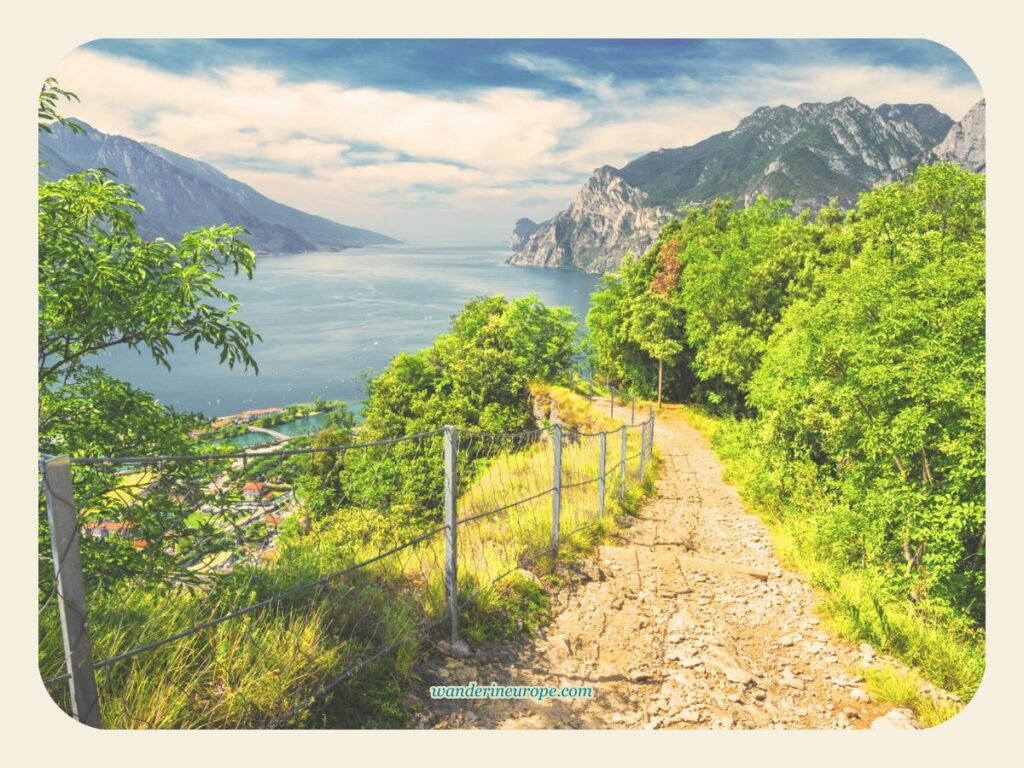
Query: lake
{"points": [[305, 425], [326, 318]]}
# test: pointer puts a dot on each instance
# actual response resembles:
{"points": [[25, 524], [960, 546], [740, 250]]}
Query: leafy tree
{"points": [[715, 283], [622, 350], [853, 345], [476, 376], [103, 286], [881, 380], [658, 331], [615, 355], [320, 487], [739, 266], [49, 98]]}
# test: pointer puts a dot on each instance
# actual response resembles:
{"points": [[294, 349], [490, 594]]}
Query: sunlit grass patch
{"points": [[906, 688], [262, 669]]}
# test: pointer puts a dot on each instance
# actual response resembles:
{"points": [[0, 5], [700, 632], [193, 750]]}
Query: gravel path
{"points": [[687, 621]]}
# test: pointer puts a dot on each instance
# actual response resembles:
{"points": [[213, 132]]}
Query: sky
{"points": [[453, 140]]}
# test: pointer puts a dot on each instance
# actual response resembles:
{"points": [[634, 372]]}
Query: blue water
{"points": [[326, 318], [247, 439], [304, 426]]}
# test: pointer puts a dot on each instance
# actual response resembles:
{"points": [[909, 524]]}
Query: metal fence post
{"points": [[643, 449], [632, 410], [650, 437], [556, 496], [67, 567], [622, 465], [603, 442], [451, 491]]}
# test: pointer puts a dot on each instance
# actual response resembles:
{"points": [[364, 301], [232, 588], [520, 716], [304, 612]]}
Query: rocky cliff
{"points": [[607, 219], [521, 233], [965, 142]]}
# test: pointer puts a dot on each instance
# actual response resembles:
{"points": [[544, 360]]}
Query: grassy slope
{"points": [[254, 670]]}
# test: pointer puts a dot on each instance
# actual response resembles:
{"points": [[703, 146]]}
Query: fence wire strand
{"points": [[225, 588]]}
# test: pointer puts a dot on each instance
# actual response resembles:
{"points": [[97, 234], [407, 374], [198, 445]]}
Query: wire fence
{"points": [[243, 589]]}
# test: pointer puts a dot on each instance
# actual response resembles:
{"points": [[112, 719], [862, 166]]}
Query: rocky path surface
{"points": [[686, 621]]}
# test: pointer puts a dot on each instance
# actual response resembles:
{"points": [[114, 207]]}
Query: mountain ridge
{"points": [[810, 154], [180, 194]]}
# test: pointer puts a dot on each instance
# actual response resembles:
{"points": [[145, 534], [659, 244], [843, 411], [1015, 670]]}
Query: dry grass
{"points": [[253, 670]]}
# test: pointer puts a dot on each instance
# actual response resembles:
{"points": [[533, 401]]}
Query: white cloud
{"points": [[602, 87], [872, 85], [203, 113], [650, 127], [371, 156]]}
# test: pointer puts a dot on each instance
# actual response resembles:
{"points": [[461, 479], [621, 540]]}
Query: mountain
{"points": [[607, 219], [931, 123], [809, 154], [963, 144], [522, 230], [180, 194]]}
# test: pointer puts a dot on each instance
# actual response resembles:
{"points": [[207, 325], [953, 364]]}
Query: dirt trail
{"points": [[687, 621]]}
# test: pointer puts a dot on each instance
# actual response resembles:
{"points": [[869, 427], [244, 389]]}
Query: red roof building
{"points": [[253, 491]]}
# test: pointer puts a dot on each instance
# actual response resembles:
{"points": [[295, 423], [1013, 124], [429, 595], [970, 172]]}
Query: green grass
{"points": [[373, 698], [517, 604], [892, 685], [904, 689], [254, 670], [226, 676], [858, 604], [932, 712]]}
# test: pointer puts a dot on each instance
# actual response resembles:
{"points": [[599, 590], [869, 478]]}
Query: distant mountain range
{"points": [[809, 154], [180, 194]]}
